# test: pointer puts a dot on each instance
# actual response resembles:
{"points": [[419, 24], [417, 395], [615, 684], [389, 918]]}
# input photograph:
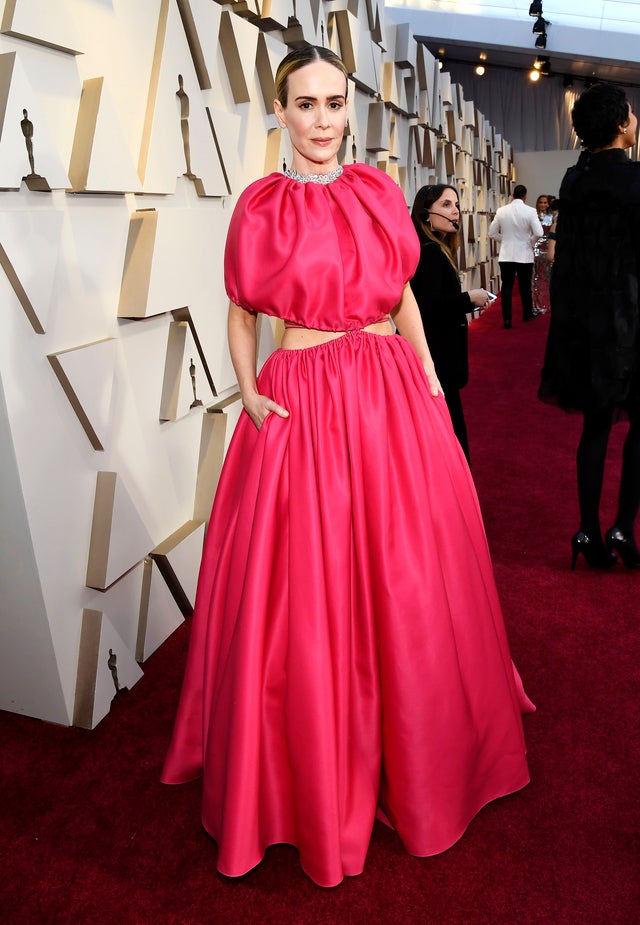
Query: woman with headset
{"points": [[443, 305]]}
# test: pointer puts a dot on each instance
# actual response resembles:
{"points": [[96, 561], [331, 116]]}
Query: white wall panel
{"points": [[86, 374], [159, 613], [101, 160], [42, 22], [120, 603], [31, 243]]}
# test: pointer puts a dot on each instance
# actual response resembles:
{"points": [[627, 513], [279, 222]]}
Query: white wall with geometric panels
{"points": [[127, 131]]}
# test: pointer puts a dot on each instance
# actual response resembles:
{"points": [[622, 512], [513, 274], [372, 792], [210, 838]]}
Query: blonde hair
{"points": [[300, 57]]}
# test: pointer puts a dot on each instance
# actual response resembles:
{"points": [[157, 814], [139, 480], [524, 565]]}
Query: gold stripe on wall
{"points": [[153, 89]]}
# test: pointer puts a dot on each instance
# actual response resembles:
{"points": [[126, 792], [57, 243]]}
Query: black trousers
{"points": [[591, 456], [508, 272], [454, 404]]}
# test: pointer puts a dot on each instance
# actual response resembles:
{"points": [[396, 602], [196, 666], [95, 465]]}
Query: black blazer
{"points": [[443, 308]]}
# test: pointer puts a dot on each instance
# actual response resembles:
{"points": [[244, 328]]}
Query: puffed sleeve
{"points": [[230, 254], [239, 256], [259, 246], [392, 204]]}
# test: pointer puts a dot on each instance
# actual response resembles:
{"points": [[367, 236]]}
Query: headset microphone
{"points": [[455, 224]]}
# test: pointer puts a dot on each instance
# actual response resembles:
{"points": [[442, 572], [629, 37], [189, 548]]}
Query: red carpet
{"points": [[88, 835]]}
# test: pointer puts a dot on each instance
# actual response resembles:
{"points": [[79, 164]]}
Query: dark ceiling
{"points": [[625, 73]]}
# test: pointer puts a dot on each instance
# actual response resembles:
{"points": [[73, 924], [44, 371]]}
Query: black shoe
{"points": [[624, 545], [532, 316], [593, 549], [507, 325]]}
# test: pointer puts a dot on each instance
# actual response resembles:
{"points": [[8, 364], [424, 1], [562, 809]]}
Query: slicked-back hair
{"points": [[301, 57]]}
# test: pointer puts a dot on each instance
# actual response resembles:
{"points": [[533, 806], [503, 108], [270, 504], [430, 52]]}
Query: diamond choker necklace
{"points": [[313, 177]]}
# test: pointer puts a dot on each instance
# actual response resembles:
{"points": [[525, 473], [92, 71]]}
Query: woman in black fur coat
{"points": [[592, 359]]}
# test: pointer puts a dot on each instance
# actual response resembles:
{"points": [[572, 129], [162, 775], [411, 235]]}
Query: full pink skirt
{"points": [[348, 654]]}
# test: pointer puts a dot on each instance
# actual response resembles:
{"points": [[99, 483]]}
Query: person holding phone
{"points": [[443, 305]]}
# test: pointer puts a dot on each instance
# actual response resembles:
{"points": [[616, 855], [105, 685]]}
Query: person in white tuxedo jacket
{"points": [[517, 228]]}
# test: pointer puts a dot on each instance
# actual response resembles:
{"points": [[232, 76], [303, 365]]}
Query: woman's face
{"points": [[315, 116], [444, 211], [543, 204]]}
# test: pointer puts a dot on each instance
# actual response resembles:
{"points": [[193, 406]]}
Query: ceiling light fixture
{"points": [[534, 75], [536, 8], [540, 26], [541, 41], [543, 65], [480, 69]]}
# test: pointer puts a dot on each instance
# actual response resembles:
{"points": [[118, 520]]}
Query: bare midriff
{"points": [[297, 338]]}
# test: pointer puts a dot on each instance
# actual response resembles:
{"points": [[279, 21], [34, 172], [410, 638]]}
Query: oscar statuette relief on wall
{"points": [[27, 152], [106, 668]]}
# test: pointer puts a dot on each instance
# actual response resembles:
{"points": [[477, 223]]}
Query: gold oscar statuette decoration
{"points": [[34, 181], [192, 372]]}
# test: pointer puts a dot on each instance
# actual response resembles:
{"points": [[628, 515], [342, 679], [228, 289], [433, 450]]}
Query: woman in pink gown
{"points": [[348, 655]]}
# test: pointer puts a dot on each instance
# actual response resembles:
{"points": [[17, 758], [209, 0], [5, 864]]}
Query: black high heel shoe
{"points": [[593, 549], [624, 545]]}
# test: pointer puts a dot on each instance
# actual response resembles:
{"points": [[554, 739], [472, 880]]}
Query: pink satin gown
{"points": [[348, 654]]}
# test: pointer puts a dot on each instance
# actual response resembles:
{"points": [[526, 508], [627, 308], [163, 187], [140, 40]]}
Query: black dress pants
{"points": [[591, 457], [508, 272]]}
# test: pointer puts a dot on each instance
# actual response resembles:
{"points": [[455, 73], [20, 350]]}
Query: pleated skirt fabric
{"points": [[348, 654]]}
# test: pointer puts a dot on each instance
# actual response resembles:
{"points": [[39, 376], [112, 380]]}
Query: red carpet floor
{"points": [[88, 835]]}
